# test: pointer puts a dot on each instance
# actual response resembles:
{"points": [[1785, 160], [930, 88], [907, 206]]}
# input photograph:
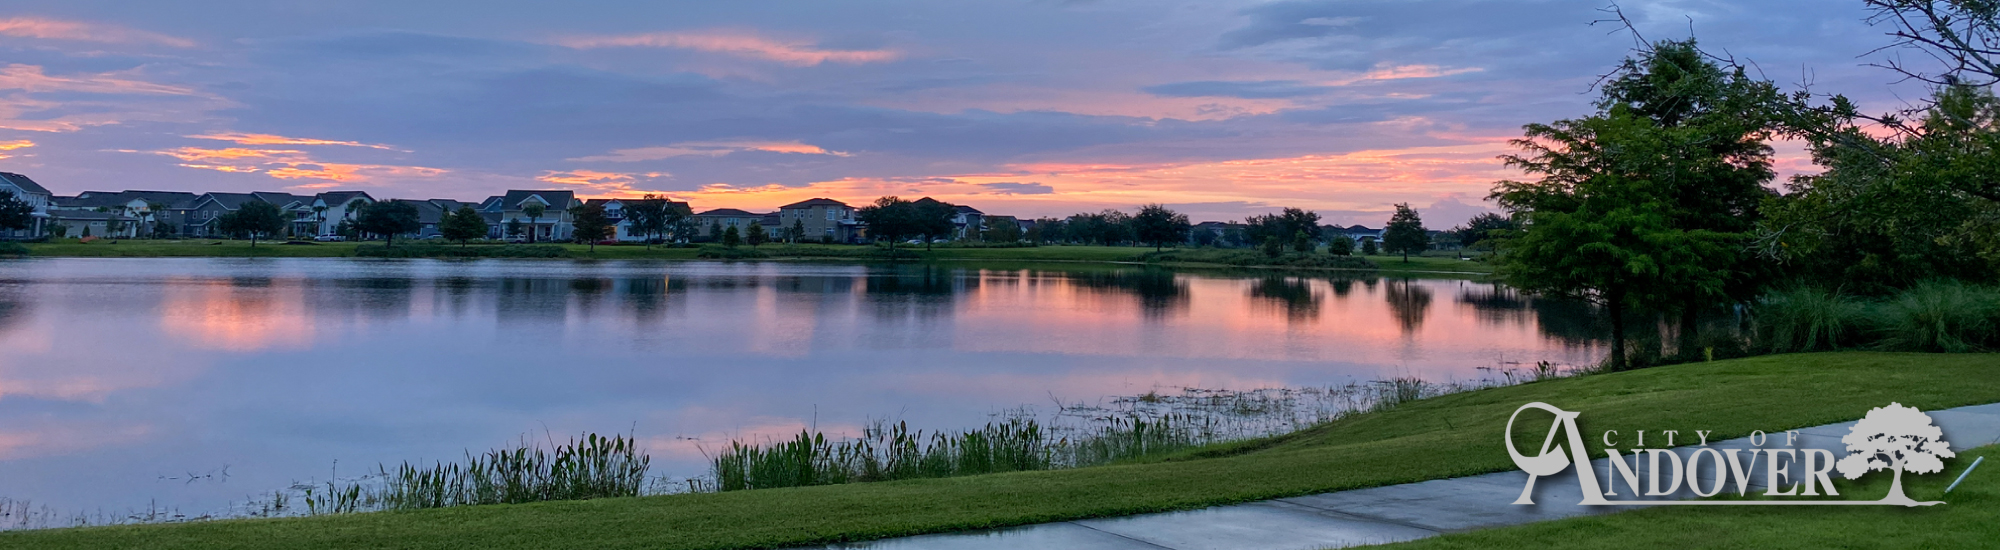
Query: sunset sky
{"points": [[1219, 108]]}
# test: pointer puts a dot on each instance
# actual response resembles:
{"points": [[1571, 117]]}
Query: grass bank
{"points": [[1439, 263], [1448, 436], [1970, 519]]}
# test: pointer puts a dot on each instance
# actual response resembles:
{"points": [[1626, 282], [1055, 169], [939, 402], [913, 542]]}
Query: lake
{"points": [[194, 383]]}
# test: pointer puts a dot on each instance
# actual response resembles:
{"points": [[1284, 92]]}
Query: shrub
{"points": [[1947, 316], [1239, 257], [13, 249], [1809, 319]]}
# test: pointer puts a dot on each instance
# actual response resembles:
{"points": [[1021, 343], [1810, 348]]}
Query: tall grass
{"points": [[1933, 316], [1078, 435], [1946, 316], [1809, 319]]}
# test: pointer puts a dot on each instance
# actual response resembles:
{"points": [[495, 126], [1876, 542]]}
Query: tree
{"points": [[1405, 233], [715, 230], [388, 219], [1301, 242], [255, 218], [1340, 245], [1157, 225], [160, 229], [462, 225], [15, 214], [1480, 227], [1898, 439], [890, 219], [1003, 229], [1282, 225], [798, 231], [756, 235], [512, 228], [731, 237], [933, 219], [1368, 247], [534, 213], [1273, 246], [590, 225], [647, 217]]}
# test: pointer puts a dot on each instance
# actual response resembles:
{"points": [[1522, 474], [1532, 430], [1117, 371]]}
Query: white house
{"points": [[32, 193]]}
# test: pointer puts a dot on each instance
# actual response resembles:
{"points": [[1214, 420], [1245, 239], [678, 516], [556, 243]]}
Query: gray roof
{"points": [[557, 200], [727, 213], [808, 203], [429, 212], [963, 209], [23, 182], [336, 198], [106, 199]]}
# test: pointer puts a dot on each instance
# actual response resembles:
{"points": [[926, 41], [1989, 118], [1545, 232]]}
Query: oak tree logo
{"points": [[1899, 439]]}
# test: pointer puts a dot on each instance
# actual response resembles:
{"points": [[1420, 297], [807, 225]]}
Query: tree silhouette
{"points": [[1899, 439], [534, 213]]}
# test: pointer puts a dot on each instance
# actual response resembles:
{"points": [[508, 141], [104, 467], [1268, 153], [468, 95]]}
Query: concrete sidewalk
{"points": [[1382, 514]]}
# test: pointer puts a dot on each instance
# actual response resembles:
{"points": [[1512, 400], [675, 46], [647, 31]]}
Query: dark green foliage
{"points": [[534, 211], [756, 236], [933, 219], [587, 468], [13, 249], [15, 214], [890, 219], [463, 225], [1340, 245], [438, 251], [1109, 227], [254, 219], [1158, 226], [388, 219], [1405, 233], [589, 225], [1480, 228], [1368, 247], [1932, 316], [1282, 225], [1809, 319], [1273, 247], [1302, 242], [731, 237], [798, 231], [655, 217]]}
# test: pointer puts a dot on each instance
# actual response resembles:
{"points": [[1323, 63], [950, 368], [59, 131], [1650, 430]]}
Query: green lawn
{"points": [[1450, 436], [1969, 519], [1438, 263]]}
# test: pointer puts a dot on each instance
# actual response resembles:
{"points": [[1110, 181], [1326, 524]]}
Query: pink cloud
{"points": [[738, 43], [35, 27], [709, 149], [268, 139], [30, 78], [291, 164], [596, 184]]}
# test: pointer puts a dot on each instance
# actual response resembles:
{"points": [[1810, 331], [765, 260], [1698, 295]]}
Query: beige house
{"points": [[822, 218]]}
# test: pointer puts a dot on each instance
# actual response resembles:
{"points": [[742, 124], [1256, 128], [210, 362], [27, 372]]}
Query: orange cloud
{"points": [[738, 43], [597, 184], [12, 145], [35, 27], [268, 139], [709, 149], [291, 164], [30, 78]]}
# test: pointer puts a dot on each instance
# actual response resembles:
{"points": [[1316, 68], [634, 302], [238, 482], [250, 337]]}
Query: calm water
{"points": [[194, 383]]}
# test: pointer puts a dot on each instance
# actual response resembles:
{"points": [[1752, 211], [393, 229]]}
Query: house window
{"points": [[829, 214]]}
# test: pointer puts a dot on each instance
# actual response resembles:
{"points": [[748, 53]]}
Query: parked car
{"points": [[330, 238]]}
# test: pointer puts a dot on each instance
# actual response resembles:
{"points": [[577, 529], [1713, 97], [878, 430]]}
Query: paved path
{"points": [[1382, 514]]}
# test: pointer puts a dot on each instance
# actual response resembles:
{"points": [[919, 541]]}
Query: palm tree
{"points": [[534, 213]]}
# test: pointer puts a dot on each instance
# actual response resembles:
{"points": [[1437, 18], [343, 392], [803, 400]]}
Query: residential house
{"points": [[326, 210], [92, 223], [1361, 232], [201, 218], [821, 218], [724, 218], [37, 198], [552, 225], [143, 210]]}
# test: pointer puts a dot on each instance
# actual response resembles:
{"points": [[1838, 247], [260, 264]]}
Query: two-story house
{"points": [[121, 213], [721, 219], [326, 210], [552, 225], [821, 219], [37, 198]]}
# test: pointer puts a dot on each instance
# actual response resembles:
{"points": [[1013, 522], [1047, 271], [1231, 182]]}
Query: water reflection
{"points": [[276, 368]]}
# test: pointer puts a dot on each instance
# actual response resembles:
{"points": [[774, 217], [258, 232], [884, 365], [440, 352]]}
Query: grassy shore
{"points": [[1443, 263], [1449, 436]]}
